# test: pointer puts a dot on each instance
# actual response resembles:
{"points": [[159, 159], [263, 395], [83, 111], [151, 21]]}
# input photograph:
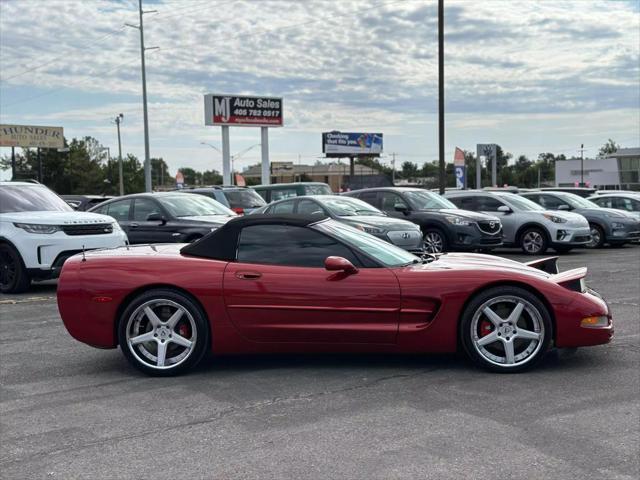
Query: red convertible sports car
{"points": [[291, 284]]}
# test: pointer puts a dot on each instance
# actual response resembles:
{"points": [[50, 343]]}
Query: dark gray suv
{"points": [[444, 226]]}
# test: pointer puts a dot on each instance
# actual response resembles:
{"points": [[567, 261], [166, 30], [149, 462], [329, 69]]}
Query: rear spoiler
{"points": [[572, 279], [548, 265]]}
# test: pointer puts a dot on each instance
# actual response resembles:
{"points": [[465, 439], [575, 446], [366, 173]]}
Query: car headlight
{"points": [[455, 220], [38, 228], [617, 225], [371, 230], [554, 218]]}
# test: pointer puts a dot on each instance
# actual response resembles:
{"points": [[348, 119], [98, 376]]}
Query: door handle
{"points": [[248, 275]]}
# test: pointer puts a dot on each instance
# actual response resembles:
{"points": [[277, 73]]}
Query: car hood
{"points": [[387, 223], [468, 214], [475, 262], [217, 219], [604, 212], [56, 218]]}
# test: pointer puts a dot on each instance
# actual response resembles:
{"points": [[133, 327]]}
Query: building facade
{"points": [[616, 171]]}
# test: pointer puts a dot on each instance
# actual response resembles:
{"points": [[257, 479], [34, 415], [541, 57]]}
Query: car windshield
{"points": [[244, 198], [348, 207], [422, 200], [387, 254], [520, 203], [27, 198], [576, 201], [186, 205]]}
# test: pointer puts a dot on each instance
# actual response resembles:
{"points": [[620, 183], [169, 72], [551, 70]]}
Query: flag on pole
{"points": [[458, 157], [459, 167]]}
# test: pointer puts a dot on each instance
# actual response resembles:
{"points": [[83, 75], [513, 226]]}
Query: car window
{"points": [[186, 205], [245, 198], [143, 207], [262, 193], [390, 200], [423, 200], [551, 202], [488, 204], [119, 210], [626, 204], [283, 193], [317, 190], [603, 202], [466, 203], [284, 207], [289, 245], [309, 207], [369, 197]]}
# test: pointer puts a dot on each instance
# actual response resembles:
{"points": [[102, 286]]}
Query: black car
{"points": [[83, 203], [444, 226], [166, 217], [239, 199]]}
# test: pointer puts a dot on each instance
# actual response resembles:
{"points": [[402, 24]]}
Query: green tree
{"points": [[608, 148]]}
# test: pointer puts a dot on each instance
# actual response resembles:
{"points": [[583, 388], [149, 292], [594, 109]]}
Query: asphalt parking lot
{"points": [[71, 411]]}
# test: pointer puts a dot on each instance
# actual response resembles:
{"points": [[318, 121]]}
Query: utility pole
{"points": [[441, 93], [120, 175], [393, 169], [39, 165], [13, 163], [147, 158], [582, 164]]}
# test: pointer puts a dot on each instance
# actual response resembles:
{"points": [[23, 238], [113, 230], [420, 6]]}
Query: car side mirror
{"points": [[564, 207], [504, 209], [156, 217], [401, 207], [339, 264]]}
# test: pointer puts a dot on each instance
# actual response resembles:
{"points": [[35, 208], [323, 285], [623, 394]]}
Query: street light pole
{"points": [[147, 158], [120, 173], [441, 94], [582, 164]]}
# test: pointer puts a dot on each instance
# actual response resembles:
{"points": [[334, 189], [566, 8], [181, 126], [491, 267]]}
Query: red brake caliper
{"points": [[183, 330], [486, 327]]}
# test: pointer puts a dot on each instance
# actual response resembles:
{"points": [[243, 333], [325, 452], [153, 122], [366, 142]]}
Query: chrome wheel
{"points": [[596, 237], [433, 242], [161, 334], [507, 331], [532, 242]]}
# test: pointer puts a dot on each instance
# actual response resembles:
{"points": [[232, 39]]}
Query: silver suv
{"points": [[526, 224]]}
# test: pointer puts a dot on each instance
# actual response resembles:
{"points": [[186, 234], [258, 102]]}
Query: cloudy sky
{"points": [[532, 76]]}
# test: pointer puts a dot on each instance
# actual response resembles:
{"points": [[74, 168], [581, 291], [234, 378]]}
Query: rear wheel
{"points": [[533, 241], [506, 329], [434, 241], [13, 274], [597, 236], [163, 332]]}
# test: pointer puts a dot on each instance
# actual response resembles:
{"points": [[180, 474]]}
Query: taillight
{"points": [[238, 210]]}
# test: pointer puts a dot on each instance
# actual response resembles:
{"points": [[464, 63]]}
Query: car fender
{"points": [[527, 225]]}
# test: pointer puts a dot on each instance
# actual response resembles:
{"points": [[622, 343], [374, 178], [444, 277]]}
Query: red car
{"points": [[289, 284]]}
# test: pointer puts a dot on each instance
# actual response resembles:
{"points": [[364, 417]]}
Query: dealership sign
{"points": [[31, 136], [242, 111], [335, 144]]}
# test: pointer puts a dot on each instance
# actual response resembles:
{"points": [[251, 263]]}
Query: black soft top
{"points": [[222, 243]]}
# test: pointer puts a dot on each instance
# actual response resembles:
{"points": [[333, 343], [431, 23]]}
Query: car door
{"points": [[510, 220], [150, 231], [279, 291], [120, 211]]}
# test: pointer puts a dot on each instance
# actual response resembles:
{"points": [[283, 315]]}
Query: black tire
{"points": [[435, 241], [533, 241], [597, 236], [534, 319], [192, 326], [563, 249], [14, 277]]}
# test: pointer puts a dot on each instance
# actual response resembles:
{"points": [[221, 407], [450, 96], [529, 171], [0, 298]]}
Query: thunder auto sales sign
{"points": [[242, 111]]}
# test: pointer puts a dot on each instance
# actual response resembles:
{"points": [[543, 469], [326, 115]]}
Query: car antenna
{"points": [[84, 258]]}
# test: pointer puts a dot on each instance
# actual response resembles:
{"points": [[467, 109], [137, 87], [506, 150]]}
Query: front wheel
{"points": [[163, 332], [505, 329], [533, 241], [14, 277], [597, 236], [434, 241]]}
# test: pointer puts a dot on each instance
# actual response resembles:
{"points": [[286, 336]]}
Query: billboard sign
{"points": [[31, 136], [343, 144], [242, 111]]}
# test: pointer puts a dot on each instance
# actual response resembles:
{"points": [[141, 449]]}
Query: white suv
{"points": [[39, 231]]}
